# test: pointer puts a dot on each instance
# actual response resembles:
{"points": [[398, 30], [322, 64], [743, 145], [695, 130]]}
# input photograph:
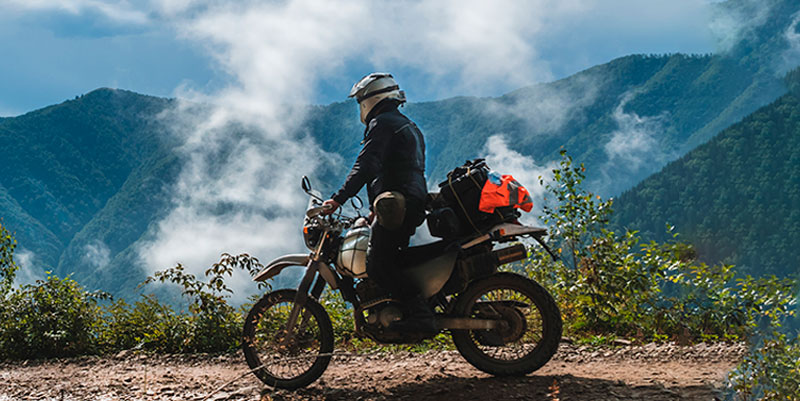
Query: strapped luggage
{"points": [[455, 210]]}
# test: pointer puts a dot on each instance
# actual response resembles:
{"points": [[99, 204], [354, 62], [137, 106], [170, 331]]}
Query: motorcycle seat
{"points": [[415, 255]]}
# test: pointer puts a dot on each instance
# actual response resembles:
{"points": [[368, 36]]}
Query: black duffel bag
{"points": [[461, 194]]}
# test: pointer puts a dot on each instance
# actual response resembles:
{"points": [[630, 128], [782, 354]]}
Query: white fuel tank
{"points": [[352, 259]]}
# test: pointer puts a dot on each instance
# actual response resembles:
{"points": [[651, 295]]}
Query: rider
{"points": [[392, 164]]}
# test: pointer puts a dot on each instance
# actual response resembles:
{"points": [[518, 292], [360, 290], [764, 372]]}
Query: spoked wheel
{"points": [[287, 361], [529, 333]]}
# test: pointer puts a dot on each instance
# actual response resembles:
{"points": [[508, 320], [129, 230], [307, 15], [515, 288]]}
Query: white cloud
{"points": [[118, 11], [546, 109], [474, 43], [790, 59], [634, 146], [28, 271], [505, 160], [732, 22], [634, 141], [239, 188], [96, 254]]}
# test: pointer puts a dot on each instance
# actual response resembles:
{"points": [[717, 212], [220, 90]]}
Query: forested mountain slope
{"points": [[62, 165], [737, 197]]}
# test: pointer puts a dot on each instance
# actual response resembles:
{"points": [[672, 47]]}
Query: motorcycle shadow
{"points": [[533, 387]]}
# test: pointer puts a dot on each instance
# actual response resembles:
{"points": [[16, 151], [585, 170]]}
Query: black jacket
{"points": [[392, 158]]}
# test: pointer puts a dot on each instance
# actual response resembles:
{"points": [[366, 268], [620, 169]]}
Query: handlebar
{"points": [[316, 211], [338, 220]]}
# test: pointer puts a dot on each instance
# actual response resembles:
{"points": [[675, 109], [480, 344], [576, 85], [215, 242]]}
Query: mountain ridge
{"points": [[736, 197]]}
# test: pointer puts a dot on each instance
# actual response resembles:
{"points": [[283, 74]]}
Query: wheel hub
{"points": [[512, 328]]}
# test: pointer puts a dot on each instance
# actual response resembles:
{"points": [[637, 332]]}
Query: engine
{"points": [[381, 309]]}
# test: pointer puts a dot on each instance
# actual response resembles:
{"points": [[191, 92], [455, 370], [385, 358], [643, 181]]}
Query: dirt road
{"points": [[649, 372]]}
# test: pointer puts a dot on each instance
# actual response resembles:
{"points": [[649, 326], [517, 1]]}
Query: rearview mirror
{"points": [[306, 184], [356, 202]]}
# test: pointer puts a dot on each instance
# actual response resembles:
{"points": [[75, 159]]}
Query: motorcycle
{"points": [[501, 322]]}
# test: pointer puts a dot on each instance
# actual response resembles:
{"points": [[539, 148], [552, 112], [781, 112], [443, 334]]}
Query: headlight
{"points": [[311, 236]]}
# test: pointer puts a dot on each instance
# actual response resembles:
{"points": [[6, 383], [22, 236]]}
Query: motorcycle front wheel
{"points": [[530, 330], [281, 360]]}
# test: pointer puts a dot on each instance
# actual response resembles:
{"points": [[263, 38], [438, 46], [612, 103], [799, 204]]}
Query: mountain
{"points": [[736, 198], [70, 165], [90, 179]]}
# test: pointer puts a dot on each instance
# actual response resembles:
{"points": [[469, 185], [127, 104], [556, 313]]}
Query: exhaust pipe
{"points": [[510, 254]]}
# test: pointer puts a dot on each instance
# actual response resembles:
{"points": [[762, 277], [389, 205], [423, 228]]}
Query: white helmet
{"points": [[372, 89]]}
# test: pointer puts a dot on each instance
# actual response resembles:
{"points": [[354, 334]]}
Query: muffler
{"points": [[510, 254]]}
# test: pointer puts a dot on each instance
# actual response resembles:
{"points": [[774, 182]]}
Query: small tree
{"points": [[601, 283], [215, 325], [8, 269]]}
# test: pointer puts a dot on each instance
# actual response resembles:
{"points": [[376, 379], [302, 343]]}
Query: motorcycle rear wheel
{"points": [[529, 336], [287, 362]]}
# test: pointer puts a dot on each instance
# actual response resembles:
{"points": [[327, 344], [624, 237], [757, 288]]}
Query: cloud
{"points": [[790, 58], [28, 272], [118, 11], [634, 146], [544, 108], [96, 254], [239, 188], [634, 141], [733, 22], [470, 43], [525, 170]]}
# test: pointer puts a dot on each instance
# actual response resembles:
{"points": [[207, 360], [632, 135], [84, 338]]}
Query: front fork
{"points": [[300, 298], [302, 294]]}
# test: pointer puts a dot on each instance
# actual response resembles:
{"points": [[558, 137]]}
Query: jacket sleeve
{"points": [[368, 164]]}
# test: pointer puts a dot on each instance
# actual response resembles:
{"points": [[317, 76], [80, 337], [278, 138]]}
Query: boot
{"points": [[420, 318]]}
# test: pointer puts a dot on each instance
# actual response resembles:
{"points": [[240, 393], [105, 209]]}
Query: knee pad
{"points": [[390, 209]]}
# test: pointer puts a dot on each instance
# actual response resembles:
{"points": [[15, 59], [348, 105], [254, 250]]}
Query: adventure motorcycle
{"points": [[502, 323]]}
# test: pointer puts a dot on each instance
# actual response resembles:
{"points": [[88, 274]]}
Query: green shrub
{"points": [[771, 371], [54, 317], [609, 284], [149, 325], [212, 324]]}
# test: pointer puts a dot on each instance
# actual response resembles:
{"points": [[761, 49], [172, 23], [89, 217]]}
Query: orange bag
{"points": [[501, 191]]}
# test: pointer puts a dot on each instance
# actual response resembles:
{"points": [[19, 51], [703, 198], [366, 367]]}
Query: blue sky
{"points": [[55, 50]]}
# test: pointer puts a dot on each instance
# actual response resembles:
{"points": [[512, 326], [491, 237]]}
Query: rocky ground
{"points": [[649, 372]]}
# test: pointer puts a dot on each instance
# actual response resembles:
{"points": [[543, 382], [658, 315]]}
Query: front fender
{"points": [[274, 267]]}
